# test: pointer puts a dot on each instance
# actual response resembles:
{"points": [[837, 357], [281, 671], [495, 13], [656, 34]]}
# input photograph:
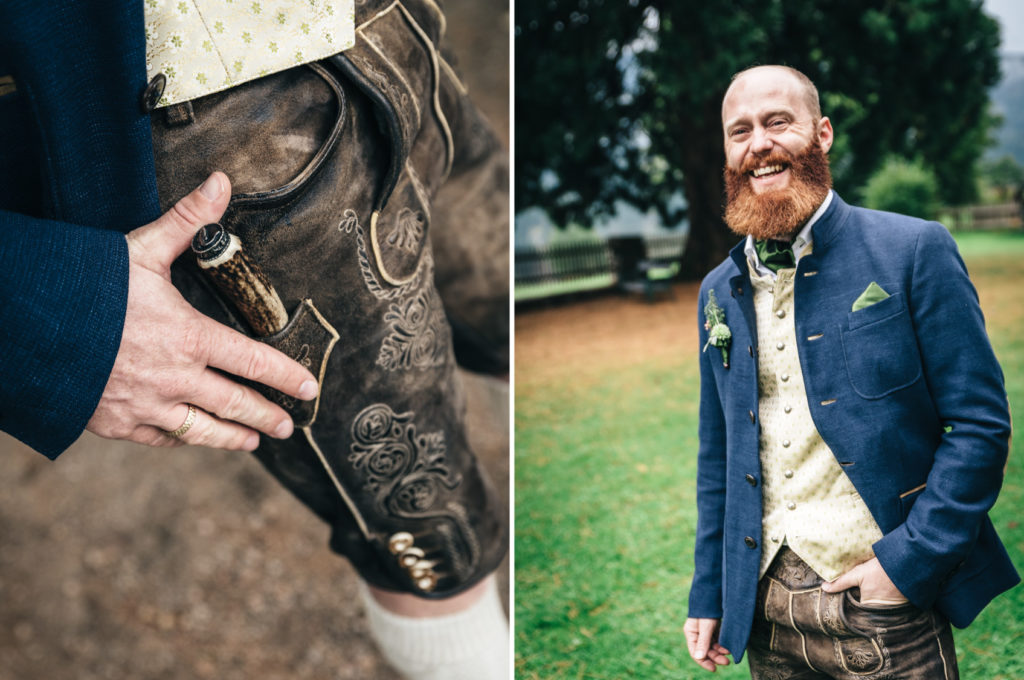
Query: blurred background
{"points": [[121, 562], [618, 203]]}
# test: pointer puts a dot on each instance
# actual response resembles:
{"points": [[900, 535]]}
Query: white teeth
{"points": [[768, 170]]}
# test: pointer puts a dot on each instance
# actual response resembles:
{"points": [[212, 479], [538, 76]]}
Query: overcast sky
{"points": [[1010, 14]]}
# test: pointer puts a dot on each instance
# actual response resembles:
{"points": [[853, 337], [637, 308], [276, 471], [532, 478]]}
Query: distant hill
{"points": [[1008, 101]]}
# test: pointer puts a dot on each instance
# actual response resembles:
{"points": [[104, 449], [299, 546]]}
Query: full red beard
{"points": [[778, 213]]}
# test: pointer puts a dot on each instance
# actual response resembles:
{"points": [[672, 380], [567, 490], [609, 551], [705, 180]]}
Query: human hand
{"points": [[875, 585], [168, 350], [702, 641]]}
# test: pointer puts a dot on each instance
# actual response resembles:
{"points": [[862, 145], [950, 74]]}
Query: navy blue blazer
{"points": [[907, 394], [76, 172]]}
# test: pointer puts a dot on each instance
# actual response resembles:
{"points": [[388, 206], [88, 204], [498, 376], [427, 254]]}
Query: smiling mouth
{"points": [[767, 170]]}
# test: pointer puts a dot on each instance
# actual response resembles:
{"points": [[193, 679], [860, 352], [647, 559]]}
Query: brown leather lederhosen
{"points": [[335, 169]]}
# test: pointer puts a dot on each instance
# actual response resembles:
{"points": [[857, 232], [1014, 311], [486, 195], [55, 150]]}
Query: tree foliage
{"points": [[1003, 173], [573, 149], [903, 187], [622, 100]]}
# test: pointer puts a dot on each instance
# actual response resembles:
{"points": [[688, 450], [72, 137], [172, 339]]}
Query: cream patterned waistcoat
{"points": [[808, 501], [204, 46]]}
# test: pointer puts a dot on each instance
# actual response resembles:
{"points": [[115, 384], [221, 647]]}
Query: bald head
{"points": [[782, 77]]}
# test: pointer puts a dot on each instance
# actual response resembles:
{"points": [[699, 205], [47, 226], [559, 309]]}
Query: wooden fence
{"points": [[581, 265], [980, 217], [563, 262]]}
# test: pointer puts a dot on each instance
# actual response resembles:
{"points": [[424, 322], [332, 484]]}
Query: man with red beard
{"points": [[853, 420]]}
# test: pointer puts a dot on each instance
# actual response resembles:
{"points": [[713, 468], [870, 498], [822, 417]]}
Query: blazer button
{"points": [[751, 543], [151, 95], [751, 480]]}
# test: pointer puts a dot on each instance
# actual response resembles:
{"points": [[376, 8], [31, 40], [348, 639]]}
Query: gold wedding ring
{"points": [[190, 420]]}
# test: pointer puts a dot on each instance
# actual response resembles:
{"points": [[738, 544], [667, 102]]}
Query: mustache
{"points": [[772, 158]]}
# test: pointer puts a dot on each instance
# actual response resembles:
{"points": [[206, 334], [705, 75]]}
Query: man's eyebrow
{"points": [[782, 111], [738, 120]]}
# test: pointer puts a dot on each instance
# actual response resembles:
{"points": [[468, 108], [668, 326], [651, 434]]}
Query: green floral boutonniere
{"points": [[719, 334]]}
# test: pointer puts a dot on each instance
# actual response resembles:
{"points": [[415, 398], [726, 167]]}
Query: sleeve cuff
{"points": [[65, 291]]}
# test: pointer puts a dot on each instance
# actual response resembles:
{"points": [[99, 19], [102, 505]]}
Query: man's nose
{"points": [[760, 141]]}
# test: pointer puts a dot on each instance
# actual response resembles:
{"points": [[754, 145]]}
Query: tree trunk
{"points": [[702, 158]]}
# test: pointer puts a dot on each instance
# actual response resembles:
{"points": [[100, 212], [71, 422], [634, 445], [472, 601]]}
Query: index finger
{"points": [[239, 355], [704, 639]]}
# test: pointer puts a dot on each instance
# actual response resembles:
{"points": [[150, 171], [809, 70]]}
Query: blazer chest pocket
{"points": [[880, 348]]}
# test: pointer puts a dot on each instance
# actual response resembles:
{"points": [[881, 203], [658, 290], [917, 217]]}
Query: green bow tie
{"points": [[774, 254]]}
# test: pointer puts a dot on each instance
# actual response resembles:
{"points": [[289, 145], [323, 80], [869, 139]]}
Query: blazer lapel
{"points": [[740, 291]]}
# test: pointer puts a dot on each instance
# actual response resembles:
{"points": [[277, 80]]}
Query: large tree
{"points": [[622, 99]]}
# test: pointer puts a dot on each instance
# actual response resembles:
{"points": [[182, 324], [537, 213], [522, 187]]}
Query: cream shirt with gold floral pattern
{"points": [[204, 46]]}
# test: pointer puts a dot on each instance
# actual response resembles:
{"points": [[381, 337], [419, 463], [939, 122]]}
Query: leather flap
{"points": [[308, 338]]}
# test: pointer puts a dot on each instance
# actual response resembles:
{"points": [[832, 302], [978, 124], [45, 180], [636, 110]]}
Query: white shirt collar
{"points": [[800, 243]]}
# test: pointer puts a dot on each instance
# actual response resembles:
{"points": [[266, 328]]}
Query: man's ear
{"points": [[825, 134]]}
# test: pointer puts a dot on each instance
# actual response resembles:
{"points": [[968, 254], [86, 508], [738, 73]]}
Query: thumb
{"points": [[843, 581], [160, 242]]}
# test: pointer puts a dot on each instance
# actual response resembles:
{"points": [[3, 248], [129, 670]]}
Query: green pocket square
{"points": [[872, 294]]}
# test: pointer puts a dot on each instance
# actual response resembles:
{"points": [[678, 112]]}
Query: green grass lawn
{"points": [[605, 508]]}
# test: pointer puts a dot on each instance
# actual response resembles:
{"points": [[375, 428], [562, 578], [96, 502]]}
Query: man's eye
{"points": [[777, 123]]}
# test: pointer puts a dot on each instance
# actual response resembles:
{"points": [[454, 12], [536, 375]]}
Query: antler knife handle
{"points": [[219, 254]]}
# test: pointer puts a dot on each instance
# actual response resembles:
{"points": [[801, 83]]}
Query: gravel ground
{"points": [[119, 561]]}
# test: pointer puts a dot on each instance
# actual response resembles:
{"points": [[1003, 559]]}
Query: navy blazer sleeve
{"points": [[77, 151], [63, 294], [968, 394]]}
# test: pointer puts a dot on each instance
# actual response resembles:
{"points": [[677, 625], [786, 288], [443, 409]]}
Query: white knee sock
{"points": [[469, 645]]}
